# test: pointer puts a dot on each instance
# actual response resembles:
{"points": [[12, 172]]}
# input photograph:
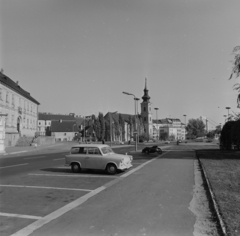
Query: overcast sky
{"points": [[80, 55]]}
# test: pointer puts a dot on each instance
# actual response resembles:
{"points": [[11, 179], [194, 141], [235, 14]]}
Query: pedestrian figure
{"points": [[103, 142]]}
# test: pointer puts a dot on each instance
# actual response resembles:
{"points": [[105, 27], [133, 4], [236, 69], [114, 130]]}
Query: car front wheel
{"points": [[76, 168], [111, 169]]}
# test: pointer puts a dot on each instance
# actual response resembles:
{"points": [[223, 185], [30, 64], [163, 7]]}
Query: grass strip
{"points": [[223, 171]]}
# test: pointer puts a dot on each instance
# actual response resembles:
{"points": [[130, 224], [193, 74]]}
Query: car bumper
{"points": [[124, 166]]}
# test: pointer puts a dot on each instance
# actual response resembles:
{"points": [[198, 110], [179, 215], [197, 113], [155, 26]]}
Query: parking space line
{"points": [[58, 159], [42, 187], [13, 165], [20, 216], [78, 176], [33, 157]]}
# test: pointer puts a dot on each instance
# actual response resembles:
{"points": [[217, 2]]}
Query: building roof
{"points": [[64, 126], [56, 117], [16, 87], [115, 116]]}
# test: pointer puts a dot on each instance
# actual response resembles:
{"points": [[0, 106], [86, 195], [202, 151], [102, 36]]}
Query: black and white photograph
{"points": [[119, 118]]}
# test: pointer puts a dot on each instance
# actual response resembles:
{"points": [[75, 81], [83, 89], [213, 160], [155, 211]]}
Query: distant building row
{"points": [[23, 118]]}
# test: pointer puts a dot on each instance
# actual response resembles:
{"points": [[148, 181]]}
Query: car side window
{"points": [[83, 150], [93, 151], [75, 150]]}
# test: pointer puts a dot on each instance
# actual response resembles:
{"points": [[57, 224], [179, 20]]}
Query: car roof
{"points": [[90, 145]]}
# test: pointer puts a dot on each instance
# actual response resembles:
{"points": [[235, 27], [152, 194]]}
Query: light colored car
{"points": [[97, 156]]}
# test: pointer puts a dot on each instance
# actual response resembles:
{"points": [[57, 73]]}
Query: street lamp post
{"points": [[137, 99], [157, 120], [135, 132], [185, 119], [228, 112]]}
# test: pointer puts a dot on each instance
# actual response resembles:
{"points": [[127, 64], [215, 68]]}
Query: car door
{"points": [[78, 154], [94, 158]]}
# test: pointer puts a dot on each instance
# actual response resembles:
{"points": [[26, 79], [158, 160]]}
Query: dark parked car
{"points": [[152, 149]]}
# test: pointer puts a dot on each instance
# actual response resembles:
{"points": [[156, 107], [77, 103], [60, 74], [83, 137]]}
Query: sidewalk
{"points": [[24, 149]]}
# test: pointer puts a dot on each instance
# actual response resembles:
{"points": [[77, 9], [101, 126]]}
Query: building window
{"points": [[144, 109], [12, 120], [145, 119], [7, 101], [13, 100]]}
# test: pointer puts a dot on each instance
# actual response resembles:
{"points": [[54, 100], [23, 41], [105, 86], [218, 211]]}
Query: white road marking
{"points": [[58, 159], [33, 157], [78, 175], [42, 187], [20, 216], [13, 166], [48, 218]]}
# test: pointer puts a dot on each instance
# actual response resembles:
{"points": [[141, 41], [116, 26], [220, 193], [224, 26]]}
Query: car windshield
{"points": [[106, 150]]}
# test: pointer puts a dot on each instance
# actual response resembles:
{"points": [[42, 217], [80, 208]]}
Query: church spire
{"points": [[145, 97]]}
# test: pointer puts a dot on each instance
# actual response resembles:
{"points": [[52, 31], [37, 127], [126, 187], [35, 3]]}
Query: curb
{"points": [[215, 205]]}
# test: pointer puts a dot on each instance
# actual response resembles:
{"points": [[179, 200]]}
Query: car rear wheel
{"points": [[76, 168], [111, 169]]}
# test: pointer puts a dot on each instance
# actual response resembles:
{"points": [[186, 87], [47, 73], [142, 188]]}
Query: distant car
{"points": [[167, 142], [97, 156], [153, 149]]}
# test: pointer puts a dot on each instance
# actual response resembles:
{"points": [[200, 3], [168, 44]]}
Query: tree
{"points": [[164, 136], [236, 71], [97, 128], [235, 134], [130, 120], [122, 125], [225, 138], [195, 127], [102, 125]]}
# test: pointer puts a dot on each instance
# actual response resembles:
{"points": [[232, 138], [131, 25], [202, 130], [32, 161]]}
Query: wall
{"points": [[63, 136], [11, 139], [44, 140]]}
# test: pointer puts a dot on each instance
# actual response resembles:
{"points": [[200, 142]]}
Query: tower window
{"points": [[144, 109], [145, 119]]}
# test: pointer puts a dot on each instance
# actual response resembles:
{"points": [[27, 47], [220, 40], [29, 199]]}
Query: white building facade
{"points": [[21, 110]]}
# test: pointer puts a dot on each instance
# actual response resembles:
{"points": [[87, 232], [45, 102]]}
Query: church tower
{"points": [[146, 113]]}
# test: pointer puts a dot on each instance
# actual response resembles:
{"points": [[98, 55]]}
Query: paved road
{"points": [[151, 199]]}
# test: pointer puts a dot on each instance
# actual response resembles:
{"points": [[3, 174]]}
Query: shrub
{"points": [[225, 138], [235, 134]]}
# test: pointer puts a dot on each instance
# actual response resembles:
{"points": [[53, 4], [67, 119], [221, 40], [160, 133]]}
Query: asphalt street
{"points": [[40, 196]]}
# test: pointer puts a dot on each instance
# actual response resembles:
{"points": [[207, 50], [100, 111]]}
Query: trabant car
{"points": [[97, 156]]}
